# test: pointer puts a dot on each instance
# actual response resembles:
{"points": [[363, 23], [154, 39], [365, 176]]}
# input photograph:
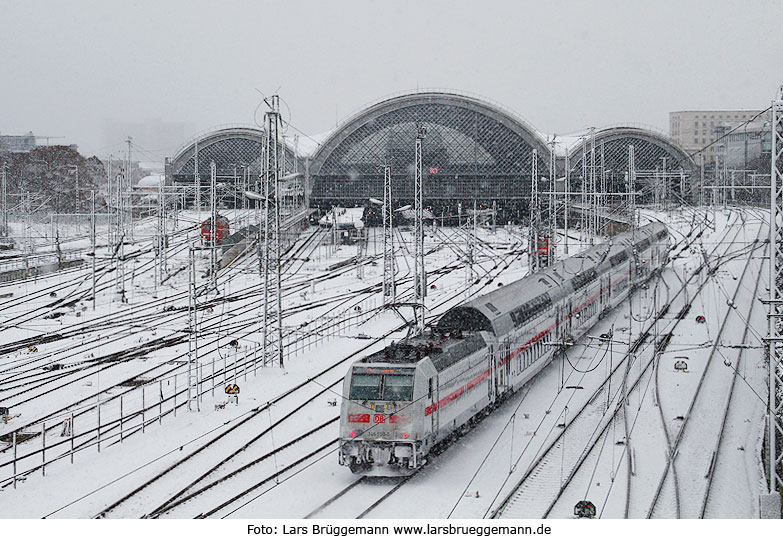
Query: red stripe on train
{"points": [[483, 376]]}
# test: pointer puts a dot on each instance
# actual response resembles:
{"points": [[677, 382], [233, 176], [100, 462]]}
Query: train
{"points": [[411, 396], [222, 227]]}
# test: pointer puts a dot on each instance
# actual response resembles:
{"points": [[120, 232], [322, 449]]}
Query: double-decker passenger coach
{"points": [[400, 402]]}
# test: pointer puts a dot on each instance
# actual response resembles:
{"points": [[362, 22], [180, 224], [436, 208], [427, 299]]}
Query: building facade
{"points": [[12, 143], [749, 147], [694, 130]]}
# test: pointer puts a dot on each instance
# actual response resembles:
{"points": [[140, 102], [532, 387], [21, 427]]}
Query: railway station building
{"points": [[474, 152]]}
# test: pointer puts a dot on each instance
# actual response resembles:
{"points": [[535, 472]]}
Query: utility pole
{"points": [[120, 237], [552, 218], [420, 273], [715, 185], [389, 286], [213, 225], [775, 307], [162, 226], [194, 404], [602, 197], [701, 181], [4, 194], [196, 184], [585, 221], [534, 256], [665, 186], [272, 263], [128, 226], [94, 244], [566, 199], [110, 202], [78, 192], [471, 252], [631, 188], [593, 191]]}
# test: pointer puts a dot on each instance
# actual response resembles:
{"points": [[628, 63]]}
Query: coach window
{"points": [[365, 386]]}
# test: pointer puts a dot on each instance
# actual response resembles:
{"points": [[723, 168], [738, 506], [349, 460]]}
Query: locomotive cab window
{"points": [[397, 388], [365, 386]]}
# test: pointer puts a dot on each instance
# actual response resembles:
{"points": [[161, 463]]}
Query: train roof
{"points": [[498, 311], [443, 350]]}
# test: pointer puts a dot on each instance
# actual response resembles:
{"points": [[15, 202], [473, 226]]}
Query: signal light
{"points": [[353, 434], [405, 435]]}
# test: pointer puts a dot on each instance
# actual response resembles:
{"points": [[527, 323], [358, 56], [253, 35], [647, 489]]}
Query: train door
{"points": [[570, 316], [435, 393], [492, 391], [501, 368]]}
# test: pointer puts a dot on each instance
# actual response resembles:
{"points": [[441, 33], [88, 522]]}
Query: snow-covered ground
{"points": [[330, 319]]}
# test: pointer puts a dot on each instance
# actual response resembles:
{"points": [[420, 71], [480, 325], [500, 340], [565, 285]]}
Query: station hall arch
{"points": [[473, 151], [238, 155], [652, 153]]}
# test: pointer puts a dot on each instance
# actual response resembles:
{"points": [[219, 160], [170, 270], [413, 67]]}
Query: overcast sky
{"points": [[68, 67]]}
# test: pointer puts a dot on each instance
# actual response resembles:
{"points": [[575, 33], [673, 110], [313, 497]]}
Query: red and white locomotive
{"points": [[222, 230], [400, 402]]}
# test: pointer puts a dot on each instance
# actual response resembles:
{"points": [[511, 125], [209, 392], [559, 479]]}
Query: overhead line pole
{"points": [[775, 307], [419, 271], [552, 199], [631, 187], [5, 201], [213, 224], [566, 197], [534, 258], [272, 241], [389, 286]]}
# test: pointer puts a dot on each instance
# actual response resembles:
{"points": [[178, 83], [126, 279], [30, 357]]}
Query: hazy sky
{"points": [[67, 67]]}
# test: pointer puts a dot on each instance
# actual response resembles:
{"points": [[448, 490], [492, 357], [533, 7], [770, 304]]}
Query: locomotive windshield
{"points": [[381, 387], [397, 388], [364, 386]]}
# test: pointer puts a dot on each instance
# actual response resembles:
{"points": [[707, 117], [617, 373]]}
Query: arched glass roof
{"points": [[471, 150]]}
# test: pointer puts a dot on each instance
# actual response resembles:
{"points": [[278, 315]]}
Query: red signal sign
{"points": [[433, 170]]}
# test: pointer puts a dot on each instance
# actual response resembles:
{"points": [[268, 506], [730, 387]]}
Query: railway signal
{"points": [[584, 509]]}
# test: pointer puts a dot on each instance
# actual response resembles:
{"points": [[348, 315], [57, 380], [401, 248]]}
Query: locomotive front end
{"points": [[378, 420]]}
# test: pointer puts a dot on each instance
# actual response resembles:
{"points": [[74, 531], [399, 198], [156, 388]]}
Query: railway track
{"points": [[686, 447], [356, 496], [589, 464], [541, 477], [229, 480]]}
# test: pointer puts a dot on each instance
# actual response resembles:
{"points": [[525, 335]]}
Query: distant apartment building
{"points": [[694, 130], [13, 143]]}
